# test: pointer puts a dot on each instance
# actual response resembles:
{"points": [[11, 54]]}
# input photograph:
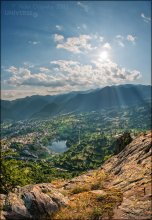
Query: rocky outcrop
{"points": [[32, 202], [130, 171]]}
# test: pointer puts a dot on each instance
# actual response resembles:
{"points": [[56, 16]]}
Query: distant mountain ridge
{"points": [[95, 100]]}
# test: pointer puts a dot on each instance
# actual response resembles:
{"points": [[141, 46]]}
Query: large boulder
{"points": [[38, 201]]}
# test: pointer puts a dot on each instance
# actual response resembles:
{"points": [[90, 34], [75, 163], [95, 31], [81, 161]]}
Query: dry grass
{"points": [[58, 183], [88, 199], [80, 189], [88, 205]]}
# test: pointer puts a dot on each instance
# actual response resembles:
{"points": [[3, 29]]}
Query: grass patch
{"points": [[79, 189], [100, 198], [96, 214], [89, 206], [96, 186]]}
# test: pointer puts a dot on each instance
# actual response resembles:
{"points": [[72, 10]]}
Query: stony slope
{"points": [[38, 201], [120, 189], [130, 171]]}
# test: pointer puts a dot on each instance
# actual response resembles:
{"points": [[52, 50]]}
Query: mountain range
{"points": [[38, 106]]}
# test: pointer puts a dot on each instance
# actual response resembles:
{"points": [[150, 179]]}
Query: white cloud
{"points": [[97, 37], [58, 37], [146, 19], [93, 75], [101, 38], [76, 44], [12, 69], [24, 77], [120, 40], [114, 74], [82, 27], [80, 44], [135, 74], [84, 6], [119, 37], [131, 38], [121, 44], [107, 46], [28, 64], [69, 75], [34, 42], [59, 27], [64, 62], [44, 69]]}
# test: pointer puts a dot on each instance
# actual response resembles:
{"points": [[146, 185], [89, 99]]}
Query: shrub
{"points": [[79, 189], [96, 186], [106, 157], [13, 173], [100, 198], [96, 214]]}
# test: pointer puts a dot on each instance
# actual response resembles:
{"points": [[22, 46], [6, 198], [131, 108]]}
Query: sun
{"points": [[104, 55]]}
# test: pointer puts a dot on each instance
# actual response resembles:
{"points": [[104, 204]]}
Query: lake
{"points": [[58, 146]]}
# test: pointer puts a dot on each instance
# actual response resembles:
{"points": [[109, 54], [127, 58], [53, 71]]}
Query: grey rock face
{"points": [[38, 201]]}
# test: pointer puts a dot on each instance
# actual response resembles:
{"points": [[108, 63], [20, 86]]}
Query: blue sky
{"points": [[58, 47]]}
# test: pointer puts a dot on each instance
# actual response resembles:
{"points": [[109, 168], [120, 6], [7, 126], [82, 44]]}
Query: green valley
{"points": [[90, 140]]}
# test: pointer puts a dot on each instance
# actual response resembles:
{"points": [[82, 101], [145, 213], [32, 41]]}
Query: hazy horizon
{"points": [[76, 91]]}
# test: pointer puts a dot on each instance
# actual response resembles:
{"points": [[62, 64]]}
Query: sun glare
{"points": [[104, 55]]}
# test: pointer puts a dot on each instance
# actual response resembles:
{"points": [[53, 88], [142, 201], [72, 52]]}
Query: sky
{"points": [[53, 47]]}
